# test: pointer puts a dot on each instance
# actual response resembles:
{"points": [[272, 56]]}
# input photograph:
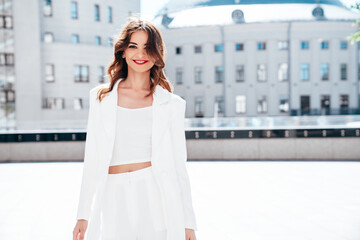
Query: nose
{"points": [[141, 53]]}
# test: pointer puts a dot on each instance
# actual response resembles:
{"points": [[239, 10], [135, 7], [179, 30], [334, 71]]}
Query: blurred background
{"points": [[272, 117]]}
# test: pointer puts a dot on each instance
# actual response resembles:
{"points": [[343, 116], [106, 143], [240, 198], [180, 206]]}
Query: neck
{"points": [[138, 80]]}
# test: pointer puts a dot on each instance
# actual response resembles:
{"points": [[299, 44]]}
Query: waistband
{"points": [[133, 176]]}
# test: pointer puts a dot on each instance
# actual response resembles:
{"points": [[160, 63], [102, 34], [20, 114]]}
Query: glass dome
{"points": [[178, 5]]}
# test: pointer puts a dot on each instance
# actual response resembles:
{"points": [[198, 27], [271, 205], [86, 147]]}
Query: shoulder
{"points": [[178, 105], [96, 88], [93, 92], [176, 99]]}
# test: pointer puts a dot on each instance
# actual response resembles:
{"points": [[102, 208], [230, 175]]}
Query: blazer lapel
{"points": [[160, 115]]}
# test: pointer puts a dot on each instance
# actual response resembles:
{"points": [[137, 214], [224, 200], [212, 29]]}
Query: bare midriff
{"points": [[128, 167]]}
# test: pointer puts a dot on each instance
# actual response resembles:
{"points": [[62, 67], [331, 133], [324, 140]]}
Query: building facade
{"points": [[52, 53], [262, 58]]}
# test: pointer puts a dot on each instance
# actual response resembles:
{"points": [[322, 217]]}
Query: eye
{"points": [[132, 46]]}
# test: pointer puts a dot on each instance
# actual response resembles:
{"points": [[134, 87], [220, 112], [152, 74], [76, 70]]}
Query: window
{"points": [[75, 38], [325, 104], [324, 71], [283, 72], [219, 102], [304, 72], [9, 59], [239, 47], [74, 10], [48, 37], [261, 73], [344, 104], [283, 45], [179, 75], [219, 48], [7, 95], [2, 59], [199, 106], [240, 104], [54, 103], [110, 42], [47, 9], [78, 103], [343, 45], [109, 14], [219, 74], [343, 71], [304, 44], [49, 72], [261, 45], [81, 73], [262, 104], [284, 104], [324, 45], [6, 22], [101, 74], [198, 74], [6, 59], [97, 12], [305, 105], [239, 73], [178, 50], [97, 40], [197, 49]]}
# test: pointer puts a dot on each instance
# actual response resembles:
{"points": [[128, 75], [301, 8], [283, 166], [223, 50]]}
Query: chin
{"points": [[141, 70]]}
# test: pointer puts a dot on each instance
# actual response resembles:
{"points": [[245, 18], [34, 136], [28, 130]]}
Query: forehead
{"points": [[139, 37]]}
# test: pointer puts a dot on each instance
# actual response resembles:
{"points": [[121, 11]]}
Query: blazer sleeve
{"points": [[89, 180], [180, 156]]}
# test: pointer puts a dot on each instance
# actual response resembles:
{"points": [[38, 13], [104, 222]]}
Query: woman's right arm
{"points": [[89, 180]]}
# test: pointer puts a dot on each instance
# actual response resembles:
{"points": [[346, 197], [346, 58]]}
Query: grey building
{"points": [[52, 53], [262, 58]]}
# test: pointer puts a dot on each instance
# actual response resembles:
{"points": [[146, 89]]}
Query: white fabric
{"points": [[132, 207], [133, 135], [168, 160]]}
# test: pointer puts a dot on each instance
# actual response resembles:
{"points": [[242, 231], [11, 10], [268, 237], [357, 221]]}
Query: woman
{"points": [[135, 183]]}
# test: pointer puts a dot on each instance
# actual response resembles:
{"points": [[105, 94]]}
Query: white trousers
{"points": [[132, 207]]}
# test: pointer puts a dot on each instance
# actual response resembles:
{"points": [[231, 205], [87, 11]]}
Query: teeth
{"points": [[139, 61]]}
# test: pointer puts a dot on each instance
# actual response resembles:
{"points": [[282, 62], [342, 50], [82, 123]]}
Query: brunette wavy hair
{"points": [[118, 67]]}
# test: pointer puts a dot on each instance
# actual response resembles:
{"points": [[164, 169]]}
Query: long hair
{"points": [[118, 67]]}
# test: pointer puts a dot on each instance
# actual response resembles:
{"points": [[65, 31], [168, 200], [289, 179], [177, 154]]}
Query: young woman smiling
{"points": [[135, 183]]}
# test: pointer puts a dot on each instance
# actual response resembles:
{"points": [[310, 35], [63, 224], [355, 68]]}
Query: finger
{"points": [[75, 233], [82, 233]]}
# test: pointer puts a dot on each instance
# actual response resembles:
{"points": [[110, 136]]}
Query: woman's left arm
{"points": [[180, 155]]}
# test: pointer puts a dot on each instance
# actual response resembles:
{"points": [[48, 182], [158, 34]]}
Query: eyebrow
{"points": [[136, 43]]}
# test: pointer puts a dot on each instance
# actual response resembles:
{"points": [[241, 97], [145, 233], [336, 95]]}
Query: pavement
{"points": [[233, 200]]}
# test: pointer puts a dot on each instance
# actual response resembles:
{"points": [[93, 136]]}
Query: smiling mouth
{"points": [[140, 62]]}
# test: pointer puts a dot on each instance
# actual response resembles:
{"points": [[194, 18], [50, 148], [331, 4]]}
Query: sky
{"points": [[149, 8]]}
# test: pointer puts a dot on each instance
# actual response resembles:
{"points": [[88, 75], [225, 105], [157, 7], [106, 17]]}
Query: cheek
{"points": [[151, 64]]}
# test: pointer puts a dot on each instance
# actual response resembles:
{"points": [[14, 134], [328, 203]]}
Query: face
{"points": [[135, 54]]}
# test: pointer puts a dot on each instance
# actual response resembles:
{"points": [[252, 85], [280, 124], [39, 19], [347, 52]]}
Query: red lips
{"points": [[140, 63]]}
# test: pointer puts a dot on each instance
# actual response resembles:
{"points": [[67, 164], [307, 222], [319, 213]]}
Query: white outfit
{"points": [[133, 135], [132, 207], [168, 158]]}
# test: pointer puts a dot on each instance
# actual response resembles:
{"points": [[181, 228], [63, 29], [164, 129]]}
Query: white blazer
{"points": [[169, 156]]}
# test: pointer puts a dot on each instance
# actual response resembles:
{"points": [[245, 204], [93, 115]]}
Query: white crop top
{"points": [[133, 135]]}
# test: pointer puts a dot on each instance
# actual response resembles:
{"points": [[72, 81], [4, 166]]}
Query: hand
{"points": [[190, 234], [80, 229]]}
